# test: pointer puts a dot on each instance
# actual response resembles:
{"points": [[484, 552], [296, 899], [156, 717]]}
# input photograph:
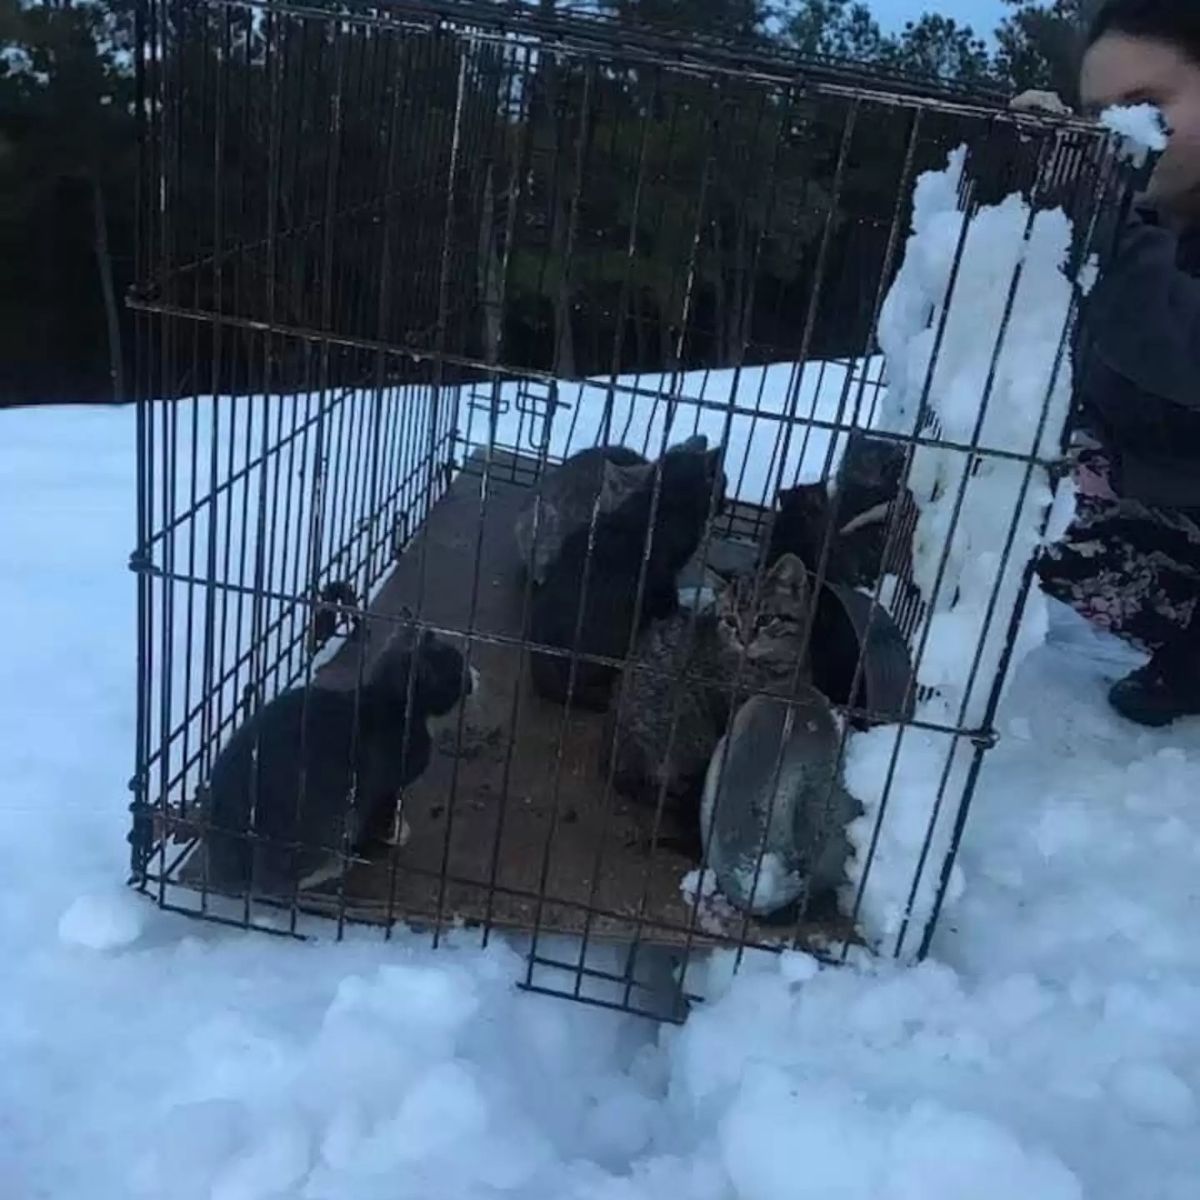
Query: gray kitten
{"points": [[602, 476], [778, 833], [763, 623]]}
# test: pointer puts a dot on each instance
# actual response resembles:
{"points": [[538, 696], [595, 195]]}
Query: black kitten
{"points": [[859, 509], [602, 476], [312, 733], [609, 592]]}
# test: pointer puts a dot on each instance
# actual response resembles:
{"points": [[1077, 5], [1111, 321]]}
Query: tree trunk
{"points": [[722, 321], [564, 336], [489, 274], [108, 289], [739, 315]]}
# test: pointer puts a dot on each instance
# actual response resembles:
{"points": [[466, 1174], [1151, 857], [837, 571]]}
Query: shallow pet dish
{"points": [[849, 626]]}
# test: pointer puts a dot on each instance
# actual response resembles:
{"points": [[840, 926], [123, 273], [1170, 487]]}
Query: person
{"points": [[1130, 561]]}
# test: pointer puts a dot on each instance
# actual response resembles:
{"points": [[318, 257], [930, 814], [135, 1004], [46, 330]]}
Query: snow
{"points": [[105, 921], [980, 517], [755, 437], [1140, 128], [1049, 1048]]}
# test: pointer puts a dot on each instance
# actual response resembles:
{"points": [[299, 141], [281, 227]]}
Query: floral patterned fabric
{"points": [[1128, 568]]}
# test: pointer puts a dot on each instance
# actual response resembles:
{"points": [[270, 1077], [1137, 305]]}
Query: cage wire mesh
{"points": [[397, 262]]}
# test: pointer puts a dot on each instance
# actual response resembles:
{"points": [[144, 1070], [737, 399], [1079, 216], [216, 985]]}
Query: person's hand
{"points": [[1174, 187], [1035, 101]]}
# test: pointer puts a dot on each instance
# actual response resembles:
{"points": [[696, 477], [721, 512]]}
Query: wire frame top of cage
{"points": [[402, 175]]}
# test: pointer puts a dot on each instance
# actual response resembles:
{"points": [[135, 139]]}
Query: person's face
{"points": [[1124, 70]]}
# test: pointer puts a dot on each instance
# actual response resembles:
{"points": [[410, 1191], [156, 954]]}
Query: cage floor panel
{"points": [[525, 835]]}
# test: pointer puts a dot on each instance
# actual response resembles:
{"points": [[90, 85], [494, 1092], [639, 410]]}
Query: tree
{"points": [[1040, 44], [842, 29], [66, 93], [938, 49], [934, 48]]}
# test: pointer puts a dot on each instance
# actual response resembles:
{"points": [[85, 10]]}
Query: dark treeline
{"points": [[658, 223]]}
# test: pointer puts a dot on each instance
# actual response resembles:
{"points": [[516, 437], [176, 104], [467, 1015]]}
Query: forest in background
{"points": [[68, 178]]}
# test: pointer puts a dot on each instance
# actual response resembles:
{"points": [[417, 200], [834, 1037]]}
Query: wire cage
{"points": [[397, 262]]}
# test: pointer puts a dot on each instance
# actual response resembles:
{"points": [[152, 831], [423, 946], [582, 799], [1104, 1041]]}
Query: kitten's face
{"points": [[767, 627], [806, 501], [442, 681]]}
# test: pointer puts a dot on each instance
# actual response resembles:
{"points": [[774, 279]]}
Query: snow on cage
{"points": [[510, 528], [975, 336]]}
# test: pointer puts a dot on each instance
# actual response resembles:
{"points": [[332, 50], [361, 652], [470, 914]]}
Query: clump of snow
{"points": [[768, 883], [1140, 127], [104, 921], [701, 892], [965, 367]]}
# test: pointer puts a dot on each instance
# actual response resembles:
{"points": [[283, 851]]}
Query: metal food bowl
{"points": [[848, 626]]}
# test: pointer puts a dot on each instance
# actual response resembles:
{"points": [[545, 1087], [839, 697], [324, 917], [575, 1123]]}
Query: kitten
{"points": [[604, 477], [775, 812], [766, 623], [692, 483], [286, 772], [753, 637], [867, 490]]}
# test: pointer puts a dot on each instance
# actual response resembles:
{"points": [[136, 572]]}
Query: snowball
{"points": [[103, 921], [1140, 127]]}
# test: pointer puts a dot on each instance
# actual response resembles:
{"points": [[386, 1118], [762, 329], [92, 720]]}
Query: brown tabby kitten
{"points": [[765, 623]]}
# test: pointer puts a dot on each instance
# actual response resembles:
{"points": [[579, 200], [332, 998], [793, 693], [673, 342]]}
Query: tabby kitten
{"points": [[763, 623], [766, 623]]}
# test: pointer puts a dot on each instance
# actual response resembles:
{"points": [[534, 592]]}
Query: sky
{"points": [[982, 15]]}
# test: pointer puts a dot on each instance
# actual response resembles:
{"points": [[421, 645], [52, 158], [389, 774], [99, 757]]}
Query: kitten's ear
{"points": [[618, 482], [788, 572], [804, 498], [696, 444], [713, 460]]}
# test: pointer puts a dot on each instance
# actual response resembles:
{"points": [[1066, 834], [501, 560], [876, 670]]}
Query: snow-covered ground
{"points": [[1050, 1051]]}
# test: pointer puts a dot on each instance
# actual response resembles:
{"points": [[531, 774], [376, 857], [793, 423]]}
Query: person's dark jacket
{"points": [[1140, 381]]}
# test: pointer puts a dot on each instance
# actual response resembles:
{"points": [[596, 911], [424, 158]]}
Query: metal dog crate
{"points": [[395, 260]]}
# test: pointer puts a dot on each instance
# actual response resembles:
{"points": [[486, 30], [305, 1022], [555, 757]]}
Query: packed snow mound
{"points": [[1140, 127], [974, 335]]}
